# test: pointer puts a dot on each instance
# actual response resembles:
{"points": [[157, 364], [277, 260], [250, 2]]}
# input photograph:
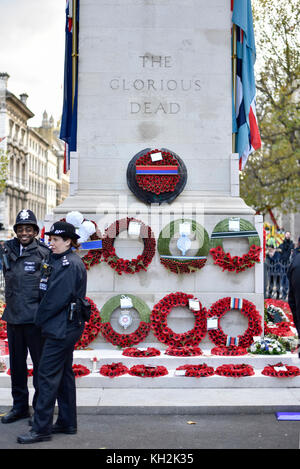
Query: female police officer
{"points": [[63, 282]]}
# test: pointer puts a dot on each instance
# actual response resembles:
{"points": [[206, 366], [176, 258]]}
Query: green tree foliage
{"points": [[272, 174]]}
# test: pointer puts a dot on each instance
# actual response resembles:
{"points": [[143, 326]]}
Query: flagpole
{"points": [[74, 49], [233, 60]]}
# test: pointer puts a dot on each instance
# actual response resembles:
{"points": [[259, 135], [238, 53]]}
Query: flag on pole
{"points": [[68, 129], [244, 122]]}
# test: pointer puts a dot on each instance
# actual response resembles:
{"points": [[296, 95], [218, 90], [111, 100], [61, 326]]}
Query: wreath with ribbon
{"points": [[113, 370], [159, 317], [235, 370], [247, 309], [181, 263], [91, 328], [285, 371], [146, 371], [134, 352], [197, 371], [124, 265], [156, 176], [125, 340], [235, 263]]}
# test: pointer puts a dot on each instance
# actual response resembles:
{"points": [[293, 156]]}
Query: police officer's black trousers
{"points": [[56, 380], [21, 338]]}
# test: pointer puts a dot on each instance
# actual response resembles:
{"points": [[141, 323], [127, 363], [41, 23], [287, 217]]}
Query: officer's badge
{"points": [[24, 215]]}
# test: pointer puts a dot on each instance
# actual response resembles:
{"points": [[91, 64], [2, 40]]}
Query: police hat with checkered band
{"points": [[26, 217], [63, 229]]}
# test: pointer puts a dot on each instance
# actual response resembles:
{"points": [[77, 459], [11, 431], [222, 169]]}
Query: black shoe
{"points": [[68, 430], [33, 437], [14, 415]]}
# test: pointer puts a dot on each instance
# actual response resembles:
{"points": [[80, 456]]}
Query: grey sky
{"points": [[32, 52]]}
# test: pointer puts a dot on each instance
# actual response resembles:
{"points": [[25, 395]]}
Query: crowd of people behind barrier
{"points": [[277, 262]]}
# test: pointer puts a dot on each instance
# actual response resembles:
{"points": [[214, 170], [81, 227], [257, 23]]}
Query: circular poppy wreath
{"points": [[113, 370], [91, 328], [183, 264], [156, 181], [146, 371], [289, 372], [197, 371], [80, 370], [235, 371], [187, 351], [236, 263], [125, 340], [160, 327], [247, 309], [134, 352], [123, 265]]}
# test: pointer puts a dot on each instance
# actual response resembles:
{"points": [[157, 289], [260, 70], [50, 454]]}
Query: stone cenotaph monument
{"points": [[155, 82]]}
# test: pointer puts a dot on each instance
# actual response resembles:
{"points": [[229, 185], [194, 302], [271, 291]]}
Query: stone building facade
{"points": [[35, 177]]}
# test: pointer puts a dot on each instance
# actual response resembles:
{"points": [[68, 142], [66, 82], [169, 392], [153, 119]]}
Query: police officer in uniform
{"points": [[60, 316], [22, 257]]}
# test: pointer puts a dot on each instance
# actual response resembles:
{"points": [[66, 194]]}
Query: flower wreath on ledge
{"points": [[197, 371], [282, 371], [187, 351], [113, 370], [156, 176], [146, 371], [125, 340], [226, 229], [180, 264], [134, 352], [91, 328], [228, 351], [123, 265], [247, 309], [80, 370], [235, 370], [159, 317], [88, 232]]}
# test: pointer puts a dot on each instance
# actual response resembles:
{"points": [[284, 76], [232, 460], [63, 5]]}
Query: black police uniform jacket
{"points": [[65, 281], [22, 280], [294, 290]]}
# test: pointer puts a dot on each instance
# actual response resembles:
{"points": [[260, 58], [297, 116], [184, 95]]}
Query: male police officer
{"points": [[23, 257]]}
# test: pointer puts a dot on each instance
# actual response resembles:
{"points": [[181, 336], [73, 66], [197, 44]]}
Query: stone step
{"points": [[96, 380]]}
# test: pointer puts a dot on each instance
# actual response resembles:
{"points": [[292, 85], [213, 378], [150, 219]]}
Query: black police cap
{"points": [[63, 229], [26, 217]]}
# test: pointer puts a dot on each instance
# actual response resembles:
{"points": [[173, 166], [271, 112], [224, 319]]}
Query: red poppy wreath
{"points": [[91, 328], [146, 371], [113, 370], [159, 317], [235, 370], [124, 265], [224, 259], [133, 338], [279, 370], [197, 371], [247, 309]]}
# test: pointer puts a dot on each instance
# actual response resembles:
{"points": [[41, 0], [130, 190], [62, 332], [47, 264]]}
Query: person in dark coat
{"points": [[286, 248], [294, 290], [23, 257], [62, 284], [272, 260]]}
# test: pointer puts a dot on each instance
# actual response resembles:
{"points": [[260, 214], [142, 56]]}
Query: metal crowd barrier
{"points": [[276, 281]]}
